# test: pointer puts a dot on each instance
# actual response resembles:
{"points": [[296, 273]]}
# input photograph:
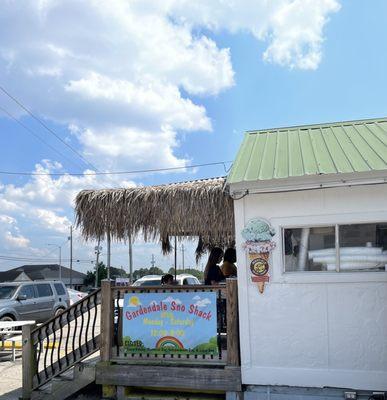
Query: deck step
{"points": [[67, 384]]}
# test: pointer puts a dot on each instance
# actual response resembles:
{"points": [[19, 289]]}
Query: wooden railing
{"points": [[112, 349], [58, 344]]}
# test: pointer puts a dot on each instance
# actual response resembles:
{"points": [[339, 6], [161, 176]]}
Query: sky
{"points": [[131, 85]]}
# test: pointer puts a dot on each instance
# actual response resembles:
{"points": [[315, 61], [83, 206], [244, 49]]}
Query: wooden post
{"points": [[108, 251], [28, 361], [233, 357], [106, 320]]}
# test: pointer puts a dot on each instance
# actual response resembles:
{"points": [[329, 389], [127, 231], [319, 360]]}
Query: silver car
{"points": [[34, 301]]}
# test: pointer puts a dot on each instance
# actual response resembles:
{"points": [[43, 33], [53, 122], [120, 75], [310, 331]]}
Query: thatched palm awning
{"points": [[197, 208]]}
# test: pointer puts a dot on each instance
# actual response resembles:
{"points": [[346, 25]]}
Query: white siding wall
{"points": [[320, 329]]}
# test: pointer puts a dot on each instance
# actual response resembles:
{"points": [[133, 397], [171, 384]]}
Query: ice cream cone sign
{"points": [[258, 234]]}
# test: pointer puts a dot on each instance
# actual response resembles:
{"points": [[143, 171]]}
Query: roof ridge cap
{"points": [[317, 125]]}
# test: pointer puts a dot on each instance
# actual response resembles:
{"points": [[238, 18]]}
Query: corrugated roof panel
{"points": [[307, 153], [281, 165], [323, 157], [268, 159], [296, 165], [243, 159], [343, 147], [377, 145], [380, 130], [350, 150], [366, 151], [340, 159], [252, 172]]}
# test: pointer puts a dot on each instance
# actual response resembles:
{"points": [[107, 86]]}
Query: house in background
{"points": [[47, 272]]}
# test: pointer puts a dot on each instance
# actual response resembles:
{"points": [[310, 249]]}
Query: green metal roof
{"points": [[335, 148]]}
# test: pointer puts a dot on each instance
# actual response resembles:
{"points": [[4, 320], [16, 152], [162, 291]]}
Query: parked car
{"points": [[35, 301], [155, 280], [75, 295]]}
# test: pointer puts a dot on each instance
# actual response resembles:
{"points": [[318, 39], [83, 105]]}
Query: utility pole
{"points": [[71, 256], [182, 257], [130, 260], [98, 249], [153, 261]]}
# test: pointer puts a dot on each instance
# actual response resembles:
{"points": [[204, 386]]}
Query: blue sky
{"points": [[150, 85]]}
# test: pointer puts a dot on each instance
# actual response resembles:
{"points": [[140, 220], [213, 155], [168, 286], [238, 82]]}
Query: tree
{"points": [[139, 273], [102, 274]]}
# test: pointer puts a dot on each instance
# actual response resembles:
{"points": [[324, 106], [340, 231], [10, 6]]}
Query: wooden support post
{"points": [[28, 361], [233, 357], [106, 320]]}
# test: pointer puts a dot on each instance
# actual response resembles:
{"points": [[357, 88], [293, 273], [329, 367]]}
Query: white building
{"points": [[321, 321]]}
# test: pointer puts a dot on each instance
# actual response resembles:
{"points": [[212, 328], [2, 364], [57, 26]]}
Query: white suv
{"points": [[155, 280]]}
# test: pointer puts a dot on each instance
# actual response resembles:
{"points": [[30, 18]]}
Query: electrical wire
{"points": [[21, 105], [11, 258], [141, 171], [38, 137]]}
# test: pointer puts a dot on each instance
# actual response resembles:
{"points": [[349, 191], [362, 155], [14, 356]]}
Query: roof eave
{"points": [[308, 182]]}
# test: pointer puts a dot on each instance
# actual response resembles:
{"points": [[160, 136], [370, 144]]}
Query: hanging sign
{"points": [[170, 323], [258, 234]]}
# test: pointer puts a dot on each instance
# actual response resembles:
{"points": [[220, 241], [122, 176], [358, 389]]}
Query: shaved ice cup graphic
{"points": [[258, 234]]}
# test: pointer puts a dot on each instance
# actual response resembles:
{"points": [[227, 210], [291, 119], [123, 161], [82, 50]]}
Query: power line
{"points": [[10, 258], [37, 136], [47, 128], [139, 171]]}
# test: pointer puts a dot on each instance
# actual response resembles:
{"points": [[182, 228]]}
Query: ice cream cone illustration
{"points": [[258, 244]]}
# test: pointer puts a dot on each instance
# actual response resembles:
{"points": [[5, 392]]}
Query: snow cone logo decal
{"points": [[258, 234], [170, 323]]}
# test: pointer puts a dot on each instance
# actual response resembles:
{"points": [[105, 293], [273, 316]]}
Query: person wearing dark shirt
{"points": [[213, 274], [228, 267]]}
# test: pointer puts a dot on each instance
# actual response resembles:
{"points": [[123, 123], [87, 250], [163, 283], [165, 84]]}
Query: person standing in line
{"points": [[213, 274]]}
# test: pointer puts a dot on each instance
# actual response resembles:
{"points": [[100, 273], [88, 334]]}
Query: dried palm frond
{"points": [[196, 208]]}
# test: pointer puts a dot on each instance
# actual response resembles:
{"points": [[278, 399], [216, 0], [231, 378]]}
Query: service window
{"points": [[44, 290], [60, 290], [27, 290], [339, 248]]}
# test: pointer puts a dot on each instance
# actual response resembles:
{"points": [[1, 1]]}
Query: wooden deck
{"points": [[186, 378]]}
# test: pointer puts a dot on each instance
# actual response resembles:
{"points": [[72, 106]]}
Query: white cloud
{"points": [[41, 210], [16, 241], [9, 233], [127, 78], [170, 299], [117, 70], [292, 29], [203, 302]]}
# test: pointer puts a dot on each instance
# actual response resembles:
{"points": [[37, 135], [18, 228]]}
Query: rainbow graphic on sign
{"points": [[167, 323], [170, 342]]}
